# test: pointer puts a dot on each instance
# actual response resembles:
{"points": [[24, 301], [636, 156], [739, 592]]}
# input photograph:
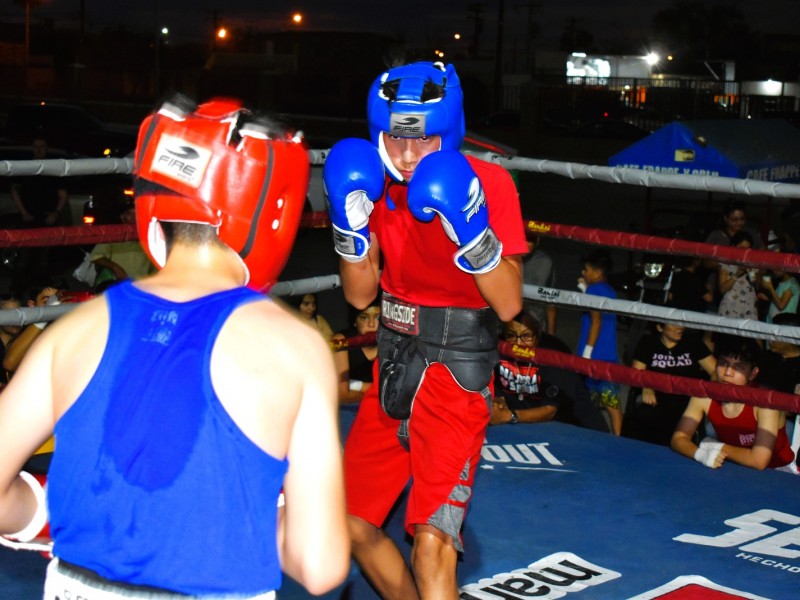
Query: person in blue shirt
{"points": [[598, 337]]}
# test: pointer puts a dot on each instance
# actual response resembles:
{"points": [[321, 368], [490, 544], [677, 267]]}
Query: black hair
{"points": [[297, 300], [194, 234], [786, 319], [745, 350], [528, 320], [430, 90], [353, 312], [733, 205], [600, 260], [741, 236]]}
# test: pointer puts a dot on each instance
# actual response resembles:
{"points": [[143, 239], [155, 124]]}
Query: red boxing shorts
{"points": [[446, 432]]}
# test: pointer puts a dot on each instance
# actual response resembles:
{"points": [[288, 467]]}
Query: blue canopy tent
{"points": [[767, 150]]}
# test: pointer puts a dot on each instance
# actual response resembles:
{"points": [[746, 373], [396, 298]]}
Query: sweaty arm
{"points": [[26, 421], [502, 287], [316, 545]]}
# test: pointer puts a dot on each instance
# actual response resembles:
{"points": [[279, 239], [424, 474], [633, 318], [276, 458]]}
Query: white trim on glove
{"points": [[39, 520]]}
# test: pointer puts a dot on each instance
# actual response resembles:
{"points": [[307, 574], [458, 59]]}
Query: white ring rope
{"points": [[661, 314], [731, 185], [566, 298], [746, 327]]}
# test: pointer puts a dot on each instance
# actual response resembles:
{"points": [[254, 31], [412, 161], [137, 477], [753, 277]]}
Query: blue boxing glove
{"points": [[354, 178], [445, 184]]}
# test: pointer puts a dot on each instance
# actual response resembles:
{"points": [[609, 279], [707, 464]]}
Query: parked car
{"points": [[68, 127]]}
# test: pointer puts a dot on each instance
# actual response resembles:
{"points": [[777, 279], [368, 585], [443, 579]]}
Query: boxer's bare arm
{"points": [[502, 287], [275, 376], [31, 403], [360, 279], [26, 418]]}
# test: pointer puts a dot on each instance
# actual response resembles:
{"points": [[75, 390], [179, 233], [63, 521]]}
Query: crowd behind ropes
{"points": [[430, 313], [524, 391]]}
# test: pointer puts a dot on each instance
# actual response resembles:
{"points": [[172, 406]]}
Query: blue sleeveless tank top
{"points": [[152, 483]]}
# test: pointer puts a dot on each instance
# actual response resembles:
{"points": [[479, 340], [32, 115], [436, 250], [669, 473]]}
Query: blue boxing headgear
{"points": [[416, 100]]}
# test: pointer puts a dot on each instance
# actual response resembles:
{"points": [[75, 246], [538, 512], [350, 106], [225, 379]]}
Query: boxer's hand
{"points": [[710, 453], [445, 184], [36, 535], [354, 178]]}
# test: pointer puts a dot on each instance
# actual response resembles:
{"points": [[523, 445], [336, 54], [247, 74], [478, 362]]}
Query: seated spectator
{"points": [[651, 416], [780, 367], [738, 285], [118, 261], [7, 332], [16, 349], [529, 393], [689, 291], [306, 306], [354, 365], [748, 435]]}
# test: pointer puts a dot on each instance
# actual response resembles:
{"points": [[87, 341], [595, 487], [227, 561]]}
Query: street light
{"points": [[297, 18]]}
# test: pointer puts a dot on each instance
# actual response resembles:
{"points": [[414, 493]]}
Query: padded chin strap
{"points": [[387, 162]]}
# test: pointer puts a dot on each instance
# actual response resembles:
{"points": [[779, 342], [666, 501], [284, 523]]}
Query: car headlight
{"points": [[653, 270]]}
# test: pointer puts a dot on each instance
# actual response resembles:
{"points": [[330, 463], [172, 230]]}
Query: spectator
{"points": [[780, 368], [537, 269], [689, 290], [306, 306], [7, 332], [531, 393], [117, 261], [652, 415], [354, 365], [748, 435], [734, 220], [783, 293], [598, 336], [39, 199], [18, 347], [737, 285]]}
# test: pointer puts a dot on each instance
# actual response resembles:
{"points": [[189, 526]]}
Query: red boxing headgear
{"points": [[218, 164]]}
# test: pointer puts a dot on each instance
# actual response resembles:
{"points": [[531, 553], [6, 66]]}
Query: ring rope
{"points": [[660, 314], [624, 175], [637, 241], [670, 384], [659, 381]]}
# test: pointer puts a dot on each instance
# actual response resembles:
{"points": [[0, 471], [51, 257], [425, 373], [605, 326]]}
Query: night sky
{"points": [[419, 20]]}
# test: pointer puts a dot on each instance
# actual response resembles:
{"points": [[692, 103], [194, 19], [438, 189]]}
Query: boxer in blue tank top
{"points": [[182, 411]]}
